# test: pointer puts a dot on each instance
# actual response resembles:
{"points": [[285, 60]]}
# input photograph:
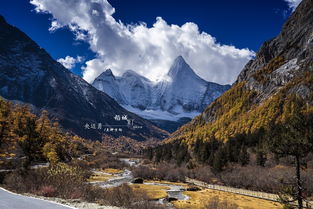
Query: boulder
{"points": [[170, 199], [137, 181], [193, 189]]}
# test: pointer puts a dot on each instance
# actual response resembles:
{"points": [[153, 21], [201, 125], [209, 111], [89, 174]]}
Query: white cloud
{"points": [[147, 50], [293, 4], [70, 62]]}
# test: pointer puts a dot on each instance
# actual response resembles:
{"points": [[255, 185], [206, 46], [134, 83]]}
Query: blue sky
{"points": [[241, 23]]}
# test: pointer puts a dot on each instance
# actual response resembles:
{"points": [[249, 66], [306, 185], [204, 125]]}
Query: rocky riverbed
{"points": [[174, 191]]}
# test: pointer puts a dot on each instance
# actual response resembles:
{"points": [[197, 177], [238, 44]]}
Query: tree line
{"points": [[24, 135], [289, 135]]}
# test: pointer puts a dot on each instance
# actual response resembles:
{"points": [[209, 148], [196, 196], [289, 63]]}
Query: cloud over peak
{"points": [[70, 62], [293, 4], [148, 50]]}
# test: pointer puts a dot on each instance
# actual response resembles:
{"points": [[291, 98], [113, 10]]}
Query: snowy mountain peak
{"points": [[106, 74], [180, 59], [130, 73], [186, 95], [180, 68], [29, 75], [134, 75]]}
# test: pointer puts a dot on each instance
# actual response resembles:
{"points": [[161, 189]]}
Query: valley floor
{"points": [[162, 190], [189, 194], [197, 200]]}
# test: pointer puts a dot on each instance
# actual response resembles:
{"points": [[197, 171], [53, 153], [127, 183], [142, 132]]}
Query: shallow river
{"points": [[174, 191]]}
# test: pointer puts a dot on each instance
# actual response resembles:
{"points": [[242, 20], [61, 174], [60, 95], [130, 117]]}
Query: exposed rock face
{"points": [[294, 45], [29, 75], [283, 66]]}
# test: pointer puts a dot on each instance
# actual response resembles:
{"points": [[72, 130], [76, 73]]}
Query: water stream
{"points": [[174, 191]]}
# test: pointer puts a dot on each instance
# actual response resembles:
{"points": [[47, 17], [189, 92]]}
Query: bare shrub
{"points": [[144, 172], [124, 196], [175, 175], [255, 178], [266, 179], [307, 178], [15, 181], [66, 180], [202, 173], [162, 171], [147, 205], [216, 203], [119, 196], [93, 194], [60, 180], [101, 160], [146, 162], [47, 191]]}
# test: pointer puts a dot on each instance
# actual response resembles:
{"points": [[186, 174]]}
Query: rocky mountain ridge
{"points": [[182, 94], [282, 67], [29, 75]]}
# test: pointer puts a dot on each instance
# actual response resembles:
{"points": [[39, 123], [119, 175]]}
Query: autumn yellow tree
{"points": [[49, 151], [292, 135], [7, 145], [26, 135]]}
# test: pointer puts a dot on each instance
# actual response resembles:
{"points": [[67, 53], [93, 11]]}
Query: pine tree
{"points": [[149, 153], [182, 154], [7, 145], [5, 120], [196, 147], [167, 152], [232, 147], [43, 125], [158, 154], [292, 135], [211, 159], [244, 156], [204, 151], [261, 158], [220, 160]]}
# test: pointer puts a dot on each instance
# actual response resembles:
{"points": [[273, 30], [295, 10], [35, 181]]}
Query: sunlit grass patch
{"points": [[200, 198], [112, 170], [168, 182], [152, 191], [99, 177]]}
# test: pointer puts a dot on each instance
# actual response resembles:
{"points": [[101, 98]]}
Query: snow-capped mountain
{"points": [[185, 91], [182, 94], [28, 74]]}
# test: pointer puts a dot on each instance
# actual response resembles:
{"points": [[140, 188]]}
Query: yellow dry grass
{"points": [[112, 170], [167, 182], [108, 174], [200, 198], [152, 191], [99, 177]]}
